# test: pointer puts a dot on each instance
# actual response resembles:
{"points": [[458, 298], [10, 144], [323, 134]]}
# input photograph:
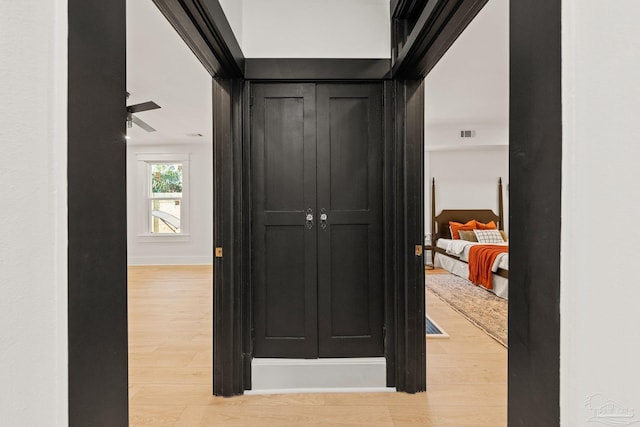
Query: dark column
{"points": [[409, 232], [97, 251], [229, 324], [535, 170]]}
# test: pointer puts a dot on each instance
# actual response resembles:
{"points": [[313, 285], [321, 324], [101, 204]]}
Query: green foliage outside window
{"points": [[166, 178]]}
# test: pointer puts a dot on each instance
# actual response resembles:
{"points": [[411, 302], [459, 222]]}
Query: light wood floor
{"points": [[170, 369]]}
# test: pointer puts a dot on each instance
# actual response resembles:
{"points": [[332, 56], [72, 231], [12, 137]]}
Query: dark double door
{"points": [[316, 164]]}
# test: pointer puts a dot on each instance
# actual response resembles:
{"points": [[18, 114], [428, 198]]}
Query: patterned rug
{"points": [[481, 307]]}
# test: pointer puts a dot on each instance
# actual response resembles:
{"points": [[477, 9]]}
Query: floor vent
{"points": [[433, 330]]}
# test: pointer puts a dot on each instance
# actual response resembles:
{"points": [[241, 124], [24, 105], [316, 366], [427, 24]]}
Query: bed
{"points": [[454, 255]]}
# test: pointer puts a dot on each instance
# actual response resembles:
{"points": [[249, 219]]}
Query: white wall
{"points": [[467, 180], [600, 333], [447, 136], [469, 87], [316, 29], [33, 263], [198, 249]]}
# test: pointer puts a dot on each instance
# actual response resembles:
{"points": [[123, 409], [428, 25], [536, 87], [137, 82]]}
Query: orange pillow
{"points": [[488, 226], [455, 228]]}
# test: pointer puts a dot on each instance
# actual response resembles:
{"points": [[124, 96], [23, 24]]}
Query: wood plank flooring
{"points": [[170, 369]]}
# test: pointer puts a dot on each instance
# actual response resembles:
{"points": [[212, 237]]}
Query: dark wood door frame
{"points": [[230, 268], [97, 257], [408, 204], [422, 31]]}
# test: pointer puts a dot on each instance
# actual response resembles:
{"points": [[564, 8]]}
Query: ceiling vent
{"points": [[467, 133]]}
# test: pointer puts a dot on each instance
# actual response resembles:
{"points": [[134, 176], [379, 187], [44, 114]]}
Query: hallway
{"points": [[170, 369]]}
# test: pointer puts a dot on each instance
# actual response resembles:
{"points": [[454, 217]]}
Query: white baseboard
{"points": [[364, 374], [170, 260], [322, 390]]}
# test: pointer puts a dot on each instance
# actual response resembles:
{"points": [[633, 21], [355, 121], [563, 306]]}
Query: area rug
{"points": [[479, 306]]}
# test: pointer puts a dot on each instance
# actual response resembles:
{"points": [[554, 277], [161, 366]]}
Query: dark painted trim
{"points": [[97, 245], [409, 217], [203, 26], [228, 314], [404, 15], [438, 26], [316, 69], [398, 195], [389, 236], [240, 252], [247, 332], [405, 9], [535, 170]]}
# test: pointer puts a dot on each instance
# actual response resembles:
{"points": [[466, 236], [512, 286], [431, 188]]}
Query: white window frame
{"points": [[144, 162]]}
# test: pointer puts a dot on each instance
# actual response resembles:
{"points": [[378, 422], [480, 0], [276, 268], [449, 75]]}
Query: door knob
{"points": [[309, 219], [323, 218]]}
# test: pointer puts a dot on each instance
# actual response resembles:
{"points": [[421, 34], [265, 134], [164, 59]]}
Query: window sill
{"points": [[163, 238]]}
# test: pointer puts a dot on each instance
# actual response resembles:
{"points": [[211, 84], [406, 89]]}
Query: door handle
{"points": [[309, 219], [323, 218]]}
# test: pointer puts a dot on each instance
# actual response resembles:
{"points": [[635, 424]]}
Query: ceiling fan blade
{"points": [[145, 106], [142, 124]]}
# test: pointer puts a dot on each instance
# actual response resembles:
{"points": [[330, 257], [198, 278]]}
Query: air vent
{"points": [[467, 133]]}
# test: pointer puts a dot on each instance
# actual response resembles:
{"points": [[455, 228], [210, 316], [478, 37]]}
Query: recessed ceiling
{"points": [[161, 68]]}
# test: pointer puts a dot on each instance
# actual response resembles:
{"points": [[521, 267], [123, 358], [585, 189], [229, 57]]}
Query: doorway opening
{"points": [[466, 181], [96, 386], [169, 152]]}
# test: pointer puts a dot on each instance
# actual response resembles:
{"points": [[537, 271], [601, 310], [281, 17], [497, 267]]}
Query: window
{"points": [[164, 181], [165, 197]]}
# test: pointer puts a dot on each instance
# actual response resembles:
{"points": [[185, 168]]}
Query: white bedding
{"points": [[460, 248], [461, 269]]}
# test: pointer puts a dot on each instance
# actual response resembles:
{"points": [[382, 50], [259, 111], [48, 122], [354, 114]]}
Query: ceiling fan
{"points": [[138, 108]]}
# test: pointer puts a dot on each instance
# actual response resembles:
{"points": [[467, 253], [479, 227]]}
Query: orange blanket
{"points": [[481, 259]]}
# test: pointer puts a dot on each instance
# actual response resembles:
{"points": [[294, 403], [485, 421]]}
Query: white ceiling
{"points": [[161, 68], [470, 84]]}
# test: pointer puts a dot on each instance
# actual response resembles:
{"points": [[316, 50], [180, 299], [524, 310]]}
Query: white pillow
{"points": [[489, 236]]}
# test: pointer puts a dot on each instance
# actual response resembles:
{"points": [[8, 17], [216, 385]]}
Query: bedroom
{"points": [[467, 168], [467, 131]]}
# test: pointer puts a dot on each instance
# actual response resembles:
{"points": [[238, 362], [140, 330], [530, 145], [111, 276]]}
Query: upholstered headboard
{"points": [[440, 222]]}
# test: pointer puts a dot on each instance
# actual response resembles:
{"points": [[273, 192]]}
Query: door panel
{"points": [[349, 149], [349, 164], [285, 268], [285, 129], [284, 249], [349, 288]]}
